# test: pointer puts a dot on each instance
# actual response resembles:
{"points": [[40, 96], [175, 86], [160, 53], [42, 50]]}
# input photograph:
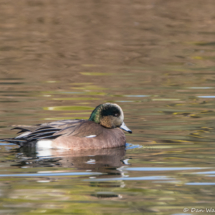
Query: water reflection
{"points": [[102, 160]]}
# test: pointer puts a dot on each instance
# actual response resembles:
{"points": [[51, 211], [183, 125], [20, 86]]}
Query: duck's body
{"points": [[102, 130]]}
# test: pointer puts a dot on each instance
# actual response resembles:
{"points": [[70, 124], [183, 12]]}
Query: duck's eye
{"points": [[116, 114]]}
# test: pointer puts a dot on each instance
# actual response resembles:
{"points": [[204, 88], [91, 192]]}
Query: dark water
{"points": [[156, 59]]}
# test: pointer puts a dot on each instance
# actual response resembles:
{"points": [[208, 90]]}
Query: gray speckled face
{"points": [[121, 115], [121, 119]]}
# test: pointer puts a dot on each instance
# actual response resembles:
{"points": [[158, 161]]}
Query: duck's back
{"points": [[52, 130]]}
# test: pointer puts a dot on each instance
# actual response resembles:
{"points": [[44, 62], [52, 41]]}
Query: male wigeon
{"points": [[101, 130]]}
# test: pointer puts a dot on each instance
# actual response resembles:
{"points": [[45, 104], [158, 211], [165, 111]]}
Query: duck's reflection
{"points": [[101, 160], [105, 161]]}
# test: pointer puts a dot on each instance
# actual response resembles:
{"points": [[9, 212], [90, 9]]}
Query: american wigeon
{"points": [[101, 130]]}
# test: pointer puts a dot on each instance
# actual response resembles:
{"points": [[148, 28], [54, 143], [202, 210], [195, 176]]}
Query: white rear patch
{"points": [[90, 136], [44, 148], [44, 144]]}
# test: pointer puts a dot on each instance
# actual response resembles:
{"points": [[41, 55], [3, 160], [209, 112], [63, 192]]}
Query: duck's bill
{"points": [[124, 127]]}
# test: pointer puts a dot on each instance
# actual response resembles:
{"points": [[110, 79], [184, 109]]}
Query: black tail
{"points": [[15, 141]]}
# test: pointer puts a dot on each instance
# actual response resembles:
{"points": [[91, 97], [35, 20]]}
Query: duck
{"points": [[104, 129]]}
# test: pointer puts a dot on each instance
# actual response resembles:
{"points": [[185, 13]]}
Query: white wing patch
{"points": [[90, 136], [91, 161]]}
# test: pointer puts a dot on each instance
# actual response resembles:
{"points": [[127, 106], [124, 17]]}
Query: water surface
{"points": [[60, 59]]}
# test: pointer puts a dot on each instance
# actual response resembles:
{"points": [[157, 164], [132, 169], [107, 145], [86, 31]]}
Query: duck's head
{"points": [[109, 115]]}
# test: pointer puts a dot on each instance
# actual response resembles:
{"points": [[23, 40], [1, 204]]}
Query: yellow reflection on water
{"points": [[65, 108], [80, 98], [95, 73]]}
